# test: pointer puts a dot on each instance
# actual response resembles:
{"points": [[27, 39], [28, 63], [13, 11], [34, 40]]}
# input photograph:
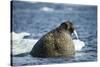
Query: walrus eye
{"points": [[64, 26]]}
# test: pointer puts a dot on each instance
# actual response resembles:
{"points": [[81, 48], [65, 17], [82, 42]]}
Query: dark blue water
{"points": [[34, 19]]}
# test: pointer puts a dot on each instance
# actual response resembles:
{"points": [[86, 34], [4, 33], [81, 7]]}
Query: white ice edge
{"points": [[78, 44], [21, 45]]}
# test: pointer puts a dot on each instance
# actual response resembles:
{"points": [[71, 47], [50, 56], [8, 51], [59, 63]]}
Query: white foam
{"points": [[47, 9]]}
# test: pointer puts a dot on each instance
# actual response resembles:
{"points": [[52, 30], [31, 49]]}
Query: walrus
{"points": [[56, 43]]}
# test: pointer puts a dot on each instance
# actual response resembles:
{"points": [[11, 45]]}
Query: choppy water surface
{"points": [[36, 19]]}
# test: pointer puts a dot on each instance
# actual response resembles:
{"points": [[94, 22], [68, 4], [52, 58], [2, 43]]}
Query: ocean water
{"points": [[30, 21]]}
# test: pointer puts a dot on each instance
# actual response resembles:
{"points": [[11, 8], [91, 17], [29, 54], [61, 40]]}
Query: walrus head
{"points": [[67, 26]]}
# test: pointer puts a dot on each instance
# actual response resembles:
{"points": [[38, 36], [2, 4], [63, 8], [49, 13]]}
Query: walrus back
{"points": [[54, 43]]}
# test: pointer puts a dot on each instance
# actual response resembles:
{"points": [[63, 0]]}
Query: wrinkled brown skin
{"points": [[56, 43]]}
